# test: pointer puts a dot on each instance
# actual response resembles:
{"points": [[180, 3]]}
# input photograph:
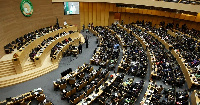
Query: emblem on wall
{"points": [[26, 8]]}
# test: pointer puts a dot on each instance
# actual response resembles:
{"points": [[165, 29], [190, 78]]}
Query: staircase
{"points": [[29, 67], [25, 76], [7, 68]]}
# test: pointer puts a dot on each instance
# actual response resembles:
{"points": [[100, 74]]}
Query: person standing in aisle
{"points": [[83, 27], [86, 41]]}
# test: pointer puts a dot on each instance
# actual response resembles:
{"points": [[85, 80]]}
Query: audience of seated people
{"points": [[134, 60], [83, 84], [37, 51], [58, 47], [167, 67], [107, 51], [187, 47], [121, 92], [158, 95], [28, 38]]}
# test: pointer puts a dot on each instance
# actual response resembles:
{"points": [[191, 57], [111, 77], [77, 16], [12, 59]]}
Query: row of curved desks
{"points": [[22, 55], [39, 61], [178, 57], [94, 95], [144, 45], [75, 42]]}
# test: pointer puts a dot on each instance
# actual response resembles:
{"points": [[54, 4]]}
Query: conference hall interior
{"points": [[100, 52]]}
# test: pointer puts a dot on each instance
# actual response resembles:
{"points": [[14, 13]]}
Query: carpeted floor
{"points": [[46, 81]]}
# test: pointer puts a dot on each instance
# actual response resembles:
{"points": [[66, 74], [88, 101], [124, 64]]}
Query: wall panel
{"points": [[197, 18], [123, 9], [98, 14], [111, 17], [86, 13], [90, 13], [103, 5], [182, 16], [94, 14], [119, 9], [172, 15], [106, 14], [82, 20], [111, 7]]}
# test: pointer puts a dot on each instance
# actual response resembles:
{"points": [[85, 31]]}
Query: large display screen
{"points": [[71, 8]]}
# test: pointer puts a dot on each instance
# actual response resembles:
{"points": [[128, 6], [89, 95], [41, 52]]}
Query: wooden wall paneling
{"points": [[162, 13], [197, 18], [123, 9], [189, 24], [153, 12], [198, 26], [131, 10], [144, 11], [127, 18], [82, 20], [145, 17], [115, 9], [111, 7], [90, 13], [98, 14], [154, 20], [94, 13], [103, 5], [159, 19], [86, 11], [131, 17], [136, 10], [177, 15], [181, 23], [167, 14], [168, 20], [187, 17], [135, 17], [140, 11], [172, 15], [107, 14], [128, 10], [111, 18], [140, 18], [149, 12], [157, 13], [192, 18], [151, 18], [119, 9], [123, 15], [182, 16]]}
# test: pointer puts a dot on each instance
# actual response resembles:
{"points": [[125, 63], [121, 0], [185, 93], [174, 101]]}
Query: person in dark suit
{"points": [[83, 27], [86, 41]]}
